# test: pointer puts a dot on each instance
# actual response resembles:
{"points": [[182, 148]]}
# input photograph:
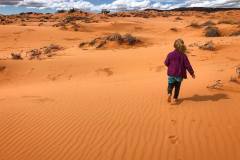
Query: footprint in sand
{"points": [[70, 77], [173, 139], [38, 99], [174, 122], [2, 99], [43, 100], [107, 71], [157, 69], [54, 77], [2, 68]]}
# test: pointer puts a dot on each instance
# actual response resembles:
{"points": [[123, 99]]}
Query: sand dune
{"points": [[110, 104]]}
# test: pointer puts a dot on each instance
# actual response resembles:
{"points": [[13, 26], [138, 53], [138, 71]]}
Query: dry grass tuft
{"points": [[117, 38], [229, 21], [212, 32], [208, 23], [210, 46], [44, 52], [16, 56], [174, 29], [195, 25], [236, 33]]}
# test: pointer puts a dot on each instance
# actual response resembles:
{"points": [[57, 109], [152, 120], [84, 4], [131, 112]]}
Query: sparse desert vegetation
{"points": [[174, 29], [212, 32], [229, 21], [44, 52], [76, 86], [195, 25], [118, 39], [208, 23], [236, 33], [16, 56], [208, 46]]}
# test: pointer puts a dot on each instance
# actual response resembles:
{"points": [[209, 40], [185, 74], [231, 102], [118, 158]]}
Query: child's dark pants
{"points": [[177, 86]]}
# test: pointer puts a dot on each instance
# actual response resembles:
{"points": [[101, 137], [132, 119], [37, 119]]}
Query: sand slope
{"points": [[111, 104]]}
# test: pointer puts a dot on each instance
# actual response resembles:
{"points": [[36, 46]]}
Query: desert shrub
{"points": [[60, 24], [82, 44], [178, 18], [51, 48], [236, 33], [105, 11], [47, 51], [16, 56], [69, 19], [33, 54], [195, 25], [228, 21], [238, 71], [42, 20], [100, 42], [208, 46], [61, 11], [115, 37], [236, 77], [174, 29], [212, 32], [46, 18], [73, 10], [208, 23], [131, 40], [166, 15]]}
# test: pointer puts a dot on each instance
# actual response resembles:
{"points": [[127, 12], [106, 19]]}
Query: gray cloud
{"points": [[119, 4], [9, 2]]}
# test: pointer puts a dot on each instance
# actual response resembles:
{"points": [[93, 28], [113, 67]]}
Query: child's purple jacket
{"points": [[178, 64]]}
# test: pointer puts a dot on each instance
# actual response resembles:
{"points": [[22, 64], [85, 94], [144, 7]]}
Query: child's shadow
{"points": [[204, 98]]}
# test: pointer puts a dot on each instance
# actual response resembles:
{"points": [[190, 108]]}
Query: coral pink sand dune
{"points": [[111, 104]]}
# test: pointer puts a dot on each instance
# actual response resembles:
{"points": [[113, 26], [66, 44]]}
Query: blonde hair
{"points": [[180, 46]]}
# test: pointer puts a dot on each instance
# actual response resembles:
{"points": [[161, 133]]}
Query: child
{"points": [[177, 63]]}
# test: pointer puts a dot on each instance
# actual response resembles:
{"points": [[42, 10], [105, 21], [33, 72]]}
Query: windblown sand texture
{"points": [[111, 103]]}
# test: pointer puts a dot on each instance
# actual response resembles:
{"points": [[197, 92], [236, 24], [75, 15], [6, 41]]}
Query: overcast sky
{"points": [[16, 6]]}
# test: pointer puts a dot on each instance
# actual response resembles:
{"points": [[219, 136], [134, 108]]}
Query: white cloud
{"points": [[122, 4]]}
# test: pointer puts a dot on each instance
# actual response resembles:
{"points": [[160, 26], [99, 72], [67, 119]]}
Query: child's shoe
{"points": [[169, 98], [175, 101]]}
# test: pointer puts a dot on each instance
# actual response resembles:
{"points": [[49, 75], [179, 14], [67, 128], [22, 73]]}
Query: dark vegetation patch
{"points": [[4, 20], [212, 32], [229, 21], [195, 25], [236, 78], [118, 39], [208, 46], [178, 18], [42, 53], [16, 56], [174, 29], [208, 23], [235, 33]]}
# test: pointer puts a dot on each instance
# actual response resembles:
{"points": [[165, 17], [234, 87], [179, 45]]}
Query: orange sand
{"points": [[111, 104]]}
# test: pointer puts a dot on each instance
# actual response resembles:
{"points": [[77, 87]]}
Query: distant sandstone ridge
{"points": [[201, 9]]}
